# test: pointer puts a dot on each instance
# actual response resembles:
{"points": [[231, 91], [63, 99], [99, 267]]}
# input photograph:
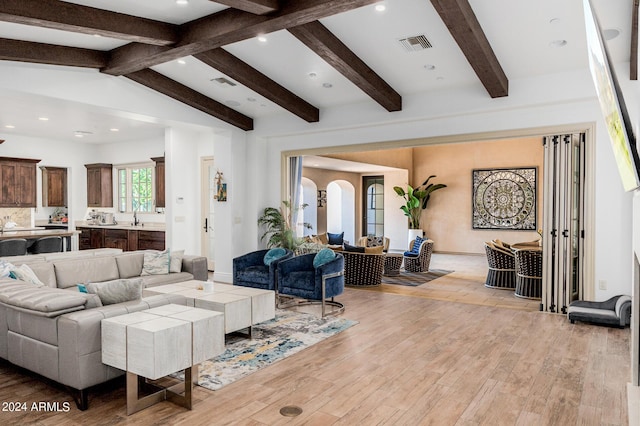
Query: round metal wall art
{"points": [[504, 199]]}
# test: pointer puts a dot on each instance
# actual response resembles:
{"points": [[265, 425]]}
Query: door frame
{"points": [[205, 162]]}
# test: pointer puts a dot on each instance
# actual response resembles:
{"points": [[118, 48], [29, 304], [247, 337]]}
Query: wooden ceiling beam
{"points": [[158, 82], [42, 53], [248, 76], [633, 71], [257, 7], [60, 15], [319, 39], [463, 25], [229, 26]]}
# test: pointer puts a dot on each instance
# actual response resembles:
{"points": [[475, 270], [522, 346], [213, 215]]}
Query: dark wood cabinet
{"points": [[116, 238], [99, 185], [54, 186], [18, 177], [125, 239], [160, 191], [150, 240]]}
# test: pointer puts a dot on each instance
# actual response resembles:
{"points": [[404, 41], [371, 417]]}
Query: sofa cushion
{"points": [[155, 262], [353, 249], [130, 264], [374, 250], [43, 300], [175, 260], [154, 280], [5, 268], [25, 273], [45, 273], [117, 291], [70, 273]]}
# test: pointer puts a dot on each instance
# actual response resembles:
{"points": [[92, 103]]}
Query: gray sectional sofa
{"points": [[54, 330]]}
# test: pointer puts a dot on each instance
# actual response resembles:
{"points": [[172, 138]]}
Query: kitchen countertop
{"points": [[148, 226], [35, 233]]}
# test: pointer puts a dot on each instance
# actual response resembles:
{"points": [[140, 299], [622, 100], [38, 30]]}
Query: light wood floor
{"points": [[448, 353]]}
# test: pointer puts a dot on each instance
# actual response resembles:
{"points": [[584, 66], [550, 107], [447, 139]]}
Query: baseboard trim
{"points": [[223, 277]]}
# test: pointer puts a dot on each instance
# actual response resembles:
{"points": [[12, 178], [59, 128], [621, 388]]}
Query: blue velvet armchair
{"points": [[297, 277], [249, 270]]}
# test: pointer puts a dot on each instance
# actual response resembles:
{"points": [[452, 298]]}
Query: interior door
{"points": [[373, 206], [207, 233]]}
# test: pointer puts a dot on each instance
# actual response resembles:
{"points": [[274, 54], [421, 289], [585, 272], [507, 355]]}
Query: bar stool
{"points": [[13, 247], [46, 245]]}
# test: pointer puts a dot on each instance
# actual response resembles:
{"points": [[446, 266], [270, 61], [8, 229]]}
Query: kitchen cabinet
{"points": [[99, 185], [54, 186], [116, 238], [160, 192], [18, 177], [125, 239]]}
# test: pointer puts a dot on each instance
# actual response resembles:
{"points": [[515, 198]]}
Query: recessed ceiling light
{"points": [[113, 129], [312, 75], [78, 135], [81, 133], [251, 99], [10, 126], [610, 33], [182, 2], [262, 39], [43, 118], [97, 35], [429, 67], [381, 7], [558, 43], [182, 61], [554, 21], [327, 85]]}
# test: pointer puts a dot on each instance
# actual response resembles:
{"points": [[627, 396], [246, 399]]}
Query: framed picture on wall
{"points": [[505, 199]]}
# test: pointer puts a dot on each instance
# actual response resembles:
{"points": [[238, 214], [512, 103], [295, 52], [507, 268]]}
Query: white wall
{"points": [[395, 222]]}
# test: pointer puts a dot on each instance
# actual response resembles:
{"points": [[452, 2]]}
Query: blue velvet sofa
{"points": [[297, 277], [249, 270]]}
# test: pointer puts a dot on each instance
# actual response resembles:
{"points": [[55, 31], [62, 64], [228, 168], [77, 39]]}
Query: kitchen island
{"points": [[32, 234]]}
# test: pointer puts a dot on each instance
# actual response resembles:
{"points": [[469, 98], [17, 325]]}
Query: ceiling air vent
{"points": [[224, 81], [415, 43]]}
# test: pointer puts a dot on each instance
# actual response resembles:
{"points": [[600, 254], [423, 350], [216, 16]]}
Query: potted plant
{"points": [[279, 232], [416, 200]]}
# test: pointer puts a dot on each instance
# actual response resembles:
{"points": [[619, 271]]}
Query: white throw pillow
{"points": [[25, 273], [175, 259], [5, 268], [155, 262]]}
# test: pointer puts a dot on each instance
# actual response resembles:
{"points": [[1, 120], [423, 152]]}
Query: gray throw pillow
{"points": [[175, 260], [117, 291]]}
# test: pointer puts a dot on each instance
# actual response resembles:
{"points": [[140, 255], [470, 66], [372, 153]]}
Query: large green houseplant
{"points": [[416, 200], [277, 224]]}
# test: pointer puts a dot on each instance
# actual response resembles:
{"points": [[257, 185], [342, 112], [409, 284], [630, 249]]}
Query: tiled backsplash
{"points": [[22, 217]]}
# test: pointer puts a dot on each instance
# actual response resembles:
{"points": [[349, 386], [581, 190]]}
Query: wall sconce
{"points": [[322, 197]]}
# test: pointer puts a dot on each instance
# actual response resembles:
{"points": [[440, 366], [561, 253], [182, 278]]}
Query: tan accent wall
{"points": [[448, 217], [401, 158], [322, 178]]}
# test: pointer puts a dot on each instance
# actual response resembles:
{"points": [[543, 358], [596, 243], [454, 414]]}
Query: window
{"points": [[136, 188], [373, 200]]}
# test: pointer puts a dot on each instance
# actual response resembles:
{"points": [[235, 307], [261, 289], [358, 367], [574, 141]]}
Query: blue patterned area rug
{"points": [[289, 333]]}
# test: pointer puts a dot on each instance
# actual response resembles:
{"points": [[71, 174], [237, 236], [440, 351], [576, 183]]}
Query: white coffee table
{"points": [[160, 341], [243, 307]]}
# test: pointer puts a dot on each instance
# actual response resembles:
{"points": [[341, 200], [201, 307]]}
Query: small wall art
{"points": [[221, 187], [322, 197], [504, 199]]}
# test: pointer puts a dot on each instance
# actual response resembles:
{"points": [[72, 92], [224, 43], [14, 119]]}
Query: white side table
{"points": [[160, 341]]}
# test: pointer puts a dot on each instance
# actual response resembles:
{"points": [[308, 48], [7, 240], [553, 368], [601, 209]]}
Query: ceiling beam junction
{"points": [[226, 27], [257, 7]]}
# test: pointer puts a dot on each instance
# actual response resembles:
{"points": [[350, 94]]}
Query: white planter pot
{"points": [[413, 233]]}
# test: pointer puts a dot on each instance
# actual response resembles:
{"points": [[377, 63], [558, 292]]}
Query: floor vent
{"points": [[415, 43]]}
